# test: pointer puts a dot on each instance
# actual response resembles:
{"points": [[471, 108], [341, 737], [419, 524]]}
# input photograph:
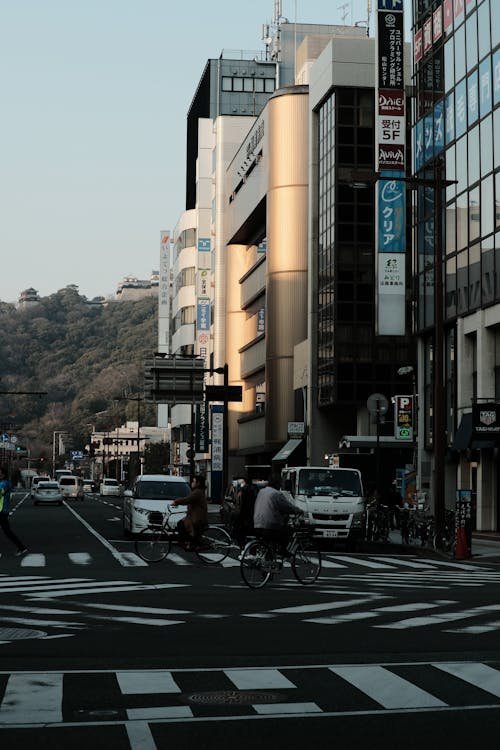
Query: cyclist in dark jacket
{"points": [[5, 488]]}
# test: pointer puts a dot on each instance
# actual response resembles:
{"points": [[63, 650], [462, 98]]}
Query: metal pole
{"points": [[377, 454], [139, 435], [438, 406], [225, 431]]}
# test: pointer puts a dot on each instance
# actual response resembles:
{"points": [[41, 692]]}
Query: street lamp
{"points": [[56, 432]]}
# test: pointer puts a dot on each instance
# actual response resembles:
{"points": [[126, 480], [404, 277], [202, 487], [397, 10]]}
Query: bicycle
{"points": [[155, 541], [261, 560], [446, 539]]}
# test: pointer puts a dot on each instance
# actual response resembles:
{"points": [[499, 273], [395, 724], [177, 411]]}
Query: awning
{"points": [[463, 435], [287, 450]]}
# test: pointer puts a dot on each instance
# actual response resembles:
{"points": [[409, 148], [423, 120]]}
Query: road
{"points": [[99, 647]]}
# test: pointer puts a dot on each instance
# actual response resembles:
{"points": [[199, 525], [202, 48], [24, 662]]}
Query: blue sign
{"points": [[419, 145], [390, 5], [485, 98], [5, 438], [203, 315], [450, 118], [204, 244], [391, 213], [428, 137], [496, 77], [261, 320], [472, 98], [461, 109], [76, 455], [438, 128]]}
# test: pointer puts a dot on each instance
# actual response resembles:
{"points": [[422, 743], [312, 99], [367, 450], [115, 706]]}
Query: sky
{"points": [[95, 95]]}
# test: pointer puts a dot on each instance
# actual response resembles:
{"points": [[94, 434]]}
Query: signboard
{"points": [[217, 438], [204, 244], [463, 524], [296, 429], [77, 455], [390, 117], [403, 417], [201, 435], [203, 314], [486, 421]]}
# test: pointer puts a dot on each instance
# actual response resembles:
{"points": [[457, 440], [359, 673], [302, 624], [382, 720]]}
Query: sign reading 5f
{"points": [[390, 4], [403, 417]]}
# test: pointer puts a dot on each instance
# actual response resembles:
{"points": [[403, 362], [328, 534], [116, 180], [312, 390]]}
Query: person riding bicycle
{"points": [[270, 517], [190, 527]]}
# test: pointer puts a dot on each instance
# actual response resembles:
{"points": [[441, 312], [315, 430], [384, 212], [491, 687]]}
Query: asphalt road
{"points": [[98, 647]]}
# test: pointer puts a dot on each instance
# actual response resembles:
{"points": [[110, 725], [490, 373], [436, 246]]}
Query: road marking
{"points": [[406, 563], [80, 558], [365, 563], [258, 679], [36, 695], [144, 610], [146, 683], [139, 736], [160, 712], [417, 622], [126, 559], [324, 606], [479, 675], [387, 688], [282, 709], [33, 560]]}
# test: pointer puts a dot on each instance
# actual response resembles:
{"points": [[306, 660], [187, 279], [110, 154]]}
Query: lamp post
{"points": [[55, 432]]}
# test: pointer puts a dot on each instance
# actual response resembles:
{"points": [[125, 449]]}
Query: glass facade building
{"points": [[456, 129]]}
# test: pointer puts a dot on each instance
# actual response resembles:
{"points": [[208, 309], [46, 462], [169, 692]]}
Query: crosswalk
{"points": [[76, 698], [411, 570]]}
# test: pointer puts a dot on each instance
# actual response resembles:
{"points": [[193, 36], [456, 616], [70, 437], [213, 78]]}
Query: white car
{"points": [[47, 491], [110, 487], [152, 492], [34, 484]]}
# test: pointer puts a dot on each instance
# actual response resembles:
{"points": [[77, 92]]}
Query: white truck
{"points": [[332, 500]]}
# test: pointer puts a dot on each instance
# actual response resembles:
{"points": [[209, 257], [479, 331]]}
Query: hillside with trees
{"points": [[83, 355]]}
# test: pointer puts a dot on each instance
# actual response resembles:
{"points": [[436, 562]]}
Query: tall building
{"points": [[456, 135]]}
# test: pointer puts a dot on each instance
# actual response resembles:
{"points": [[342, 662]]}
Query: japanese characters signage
{"points": [[403, 417], [164, 294], [217, 437], [201, 436], [203, 316], [390, 162]]}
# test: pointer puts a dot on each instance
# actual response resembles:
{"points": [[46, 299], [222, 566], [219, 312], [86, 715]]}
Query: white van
{"points": [[152, 492], [110, 487], [71, 487], [332, 499]]}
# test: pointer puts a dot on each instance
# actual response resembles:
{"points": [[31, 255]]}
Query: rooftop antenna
{"points": [[345, 12], [368, 14]]}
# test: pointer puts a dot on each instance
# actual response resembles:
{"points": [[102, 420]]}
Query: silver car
{"points": [[47, 492]]}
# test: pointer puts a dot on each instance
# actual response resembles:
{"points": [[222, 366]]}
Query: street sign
{"points": [[171, 380], [403, 417], [76, 455]]}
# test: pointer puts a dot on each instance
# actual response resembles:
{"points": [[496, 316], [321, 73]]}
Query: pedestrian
{"points": [[244, 506], [5, 488]]}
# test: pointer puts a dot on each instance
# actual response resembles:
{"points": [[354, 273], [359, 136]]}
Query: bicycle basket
{"points": [[155, 518]]}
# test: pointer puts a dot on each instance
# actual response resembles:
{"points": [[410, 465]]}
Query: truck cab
{"points": [[332, 499]]}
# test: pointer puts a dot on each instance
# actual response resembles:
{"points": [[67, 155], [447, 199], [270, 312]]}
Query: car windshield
{"points": [[158, 490], [329, 482], [67, 480]]}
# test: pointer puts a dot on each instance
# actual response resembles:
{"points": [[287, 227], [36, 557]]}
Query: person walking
{"points": [[5, 488]]}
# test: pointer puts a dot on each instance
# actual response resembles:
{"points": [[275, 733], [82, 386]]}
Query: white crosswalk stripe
{"points": [[35, 699]]}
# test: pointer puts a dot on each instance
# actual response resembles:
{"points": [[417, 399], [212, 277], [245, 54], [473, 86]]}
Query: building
{"points": [[132, 288], [456, 135], [113, 449], [28, 298]]}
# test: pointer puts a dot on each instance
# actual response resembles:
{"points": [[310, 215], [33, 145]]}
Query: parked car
{"points": [[152, 492], [110, 487], [47, 491], [71, 487]]}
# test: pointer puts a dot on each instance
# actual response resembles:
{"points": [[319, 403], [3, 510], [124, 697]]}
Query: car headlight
{"points": [[358, 519]]}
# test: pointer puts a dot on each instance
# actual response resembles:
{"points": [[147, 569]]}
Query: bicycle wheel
{"points": [[254, 565], [152, 545], [213, 545], [306, 562]]}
